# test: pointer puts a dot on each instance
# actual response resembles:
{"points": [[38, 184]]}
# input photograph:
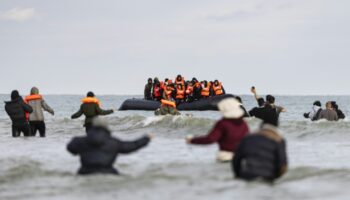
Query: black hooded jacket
{"points": [[99, 150], [16, 109], [260, 155]]}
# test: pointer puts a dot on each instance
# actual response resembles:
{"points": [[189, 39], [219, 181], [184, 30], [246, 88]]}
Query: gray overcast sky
{"points": [[113, 46]]}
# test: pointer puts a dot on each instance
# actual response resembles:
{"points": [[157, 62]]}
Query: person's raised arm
{"points": [[131, 146]]}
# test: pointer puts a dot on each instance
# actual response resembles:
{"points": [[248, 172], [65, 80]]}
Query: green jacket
{"points": [[166, 110], [90, 110]]}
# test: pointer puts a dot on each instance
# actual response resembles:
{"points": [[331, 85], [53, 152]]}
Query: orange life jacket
{"points": [[189, 90], [206, 91], [168, 103], [218, 89], [181, 82], [180, 94], [168, 93], [31, 97], [91, 100]]}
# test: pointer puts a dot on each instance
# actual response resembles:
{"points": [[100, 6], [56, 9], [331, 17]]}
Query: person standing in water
{"points": [[228, 132], [36, 118], [99, 150], [329, 114], [261, 155], [17, 109], [90, 107], [315, 112]]}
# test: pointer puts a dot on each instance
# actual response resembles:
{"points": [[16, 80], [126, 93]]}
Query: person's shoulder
{"points": [[79, 139]]}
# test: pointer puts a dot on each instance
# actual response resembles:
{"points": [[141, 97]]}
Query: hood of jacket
{"points": [[98, 136], [18, 99], [34, 91], [271, 132]]}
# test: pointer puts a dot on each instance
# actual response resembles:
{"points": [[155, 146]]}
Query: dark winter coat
{"points": [[17, 109], [98, 150], [148, 91], [261, 155]]}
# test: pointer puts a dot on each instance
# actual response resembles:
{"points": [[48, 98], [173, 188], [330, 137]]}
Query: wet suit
{"points": [[99, 150], [16, 109]]}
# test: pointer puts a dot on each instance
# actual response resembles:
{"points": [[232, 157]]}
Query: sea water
{"points": [[168, 168]]}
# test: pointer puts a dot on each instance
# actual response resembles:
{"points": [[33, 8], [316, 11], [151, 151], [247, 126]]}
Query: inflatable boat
{"points": [[202, 104]]}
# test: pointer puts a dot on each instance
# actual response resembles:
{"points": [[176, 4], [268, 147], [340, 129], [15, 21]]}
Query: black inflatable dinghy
{"points": [[202, 104]]}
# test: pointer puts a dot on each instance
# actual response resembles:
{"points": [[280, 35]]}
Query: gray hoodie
{"points": [[38, 106]]}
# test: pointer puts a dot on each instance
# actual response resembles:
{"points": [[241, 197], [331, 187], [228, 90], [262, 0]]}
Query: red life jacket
{"points": [[189, 90], [156, 91]]}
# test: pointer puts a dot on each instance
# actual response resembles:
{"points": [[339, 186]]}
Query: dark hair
{"points": [[270, 99], [149, 79], [90, 94], [334, 105], [166, 79], [317, 103], [261, 102], [14, 94]]}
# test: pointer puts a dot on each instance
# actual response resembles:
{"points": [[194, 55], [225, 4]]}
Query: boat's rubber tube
{"points": [[203, 104]]}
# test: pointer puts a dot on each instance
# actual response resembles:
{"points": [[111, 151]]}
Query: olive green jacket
{"points": [[90, 110]]}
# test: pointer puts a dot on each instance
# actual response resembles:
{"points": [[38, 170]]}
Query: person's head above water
{"points": [[90, 94], [334, 105], [270, 99], [14, 95], [230, 108], [317, 103], [261, 102], [329, 105], [34, 91]]}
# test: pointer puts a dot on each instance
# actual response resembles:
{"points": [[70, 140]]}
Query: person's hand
{"points": [[151, 135]]}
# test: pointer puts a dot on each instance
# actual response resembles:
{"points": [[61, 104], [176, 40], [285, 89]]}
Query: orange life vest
{"points": [[168, 93], [168, 103], [206, 91], [218, 89], [180, 94], [31, 98], [181, 82], [91, 100], [189, 90]]}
